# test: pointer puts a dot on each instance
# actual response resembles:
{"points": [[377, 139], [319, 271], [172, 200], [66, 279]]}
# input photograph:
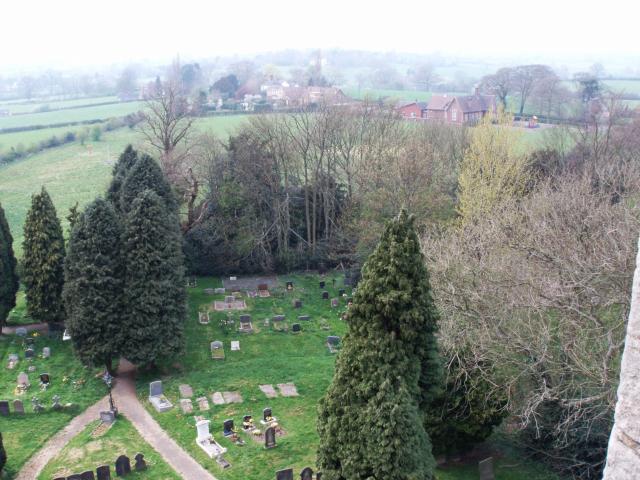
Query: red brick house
{"points": [[460, 109], [413, 110]]}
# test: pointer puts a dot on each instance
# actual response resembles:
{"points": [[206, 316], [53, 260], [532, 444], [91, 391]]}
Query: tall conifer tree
{"points": [[43, 266], [370, 421], [146, 175], [155, 295], [121, 169], [93, 287], [9, 282]]}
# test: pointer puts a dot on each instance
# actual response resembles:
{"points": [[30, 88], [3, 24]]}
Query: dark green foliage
{"points": [[469, 408], [155, 296], [43, 265], [120, 170], [146, 175], [93, 288], [73, 216], [3, 454], [9, 282], [370, 423]]}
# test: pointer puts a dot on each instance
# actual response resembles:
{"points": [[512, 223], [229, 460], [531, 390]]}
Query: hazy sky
{"points": [[80, 32]]}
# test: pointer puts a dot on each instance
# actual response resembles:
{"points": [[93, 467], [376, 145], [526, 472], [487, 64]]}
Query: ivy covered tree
{"points": [[371, 420], [9, 282], [122, 167], [94, 285], [43, 265], [154, 293], [146, 175]]}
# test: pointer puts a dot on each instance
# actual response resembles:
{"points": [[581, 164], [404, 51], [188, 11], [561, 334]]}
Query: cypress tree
{"points": [[125, 162], [155, 295], [370, 423], [146, 175], [94, 285], [9, 282], [43, 270]]}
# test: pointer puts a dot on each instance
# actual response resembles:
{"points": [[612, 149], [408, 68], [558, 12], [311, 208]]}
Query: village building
{"points": [[460, 110], [413, 110]]}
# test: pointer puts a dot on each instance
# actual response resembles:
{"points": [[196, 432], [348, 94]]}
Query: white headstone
{"points": [[235, 345], [46, 352], [203, 430]]}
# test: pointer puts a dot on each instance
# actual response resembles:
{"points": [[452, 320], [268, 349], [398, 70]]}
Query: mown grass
{"points": [[25, 435], [75, 173], [87, 452], [270, 357], [28, 138], [35, 105]]}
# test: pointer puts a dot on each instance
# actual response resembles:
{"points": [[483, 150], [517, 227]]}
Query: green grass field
{"points": [[271, 357], [33, 137], [100, 112], [89, 450], [398, 95], [24, 435], [75, 173], [36, 105]]}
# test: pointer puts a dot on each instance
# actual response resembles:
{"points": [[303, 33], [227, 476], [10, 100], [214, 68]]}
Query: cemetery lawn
{"points": [[25, 435], [87, 452], [270, 357]]}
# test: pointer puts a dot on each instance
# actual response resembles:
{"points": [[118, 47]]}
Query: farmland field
{"points": [[27, 138], [74, 173], [407, 95], [35, 105], [99, 112]]}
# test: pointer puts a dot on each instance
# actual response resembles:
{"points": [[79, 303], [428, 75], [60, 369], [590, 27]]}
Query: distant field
{"points": [[72, 115], [33, 106], [72, 174], [30, 137], [377, 93]]}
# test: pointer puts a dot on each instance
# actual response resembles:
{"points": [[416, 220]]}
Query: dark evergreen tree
{"points": [[3, 454], [122, 167], [73, 216], [93, 289], [9, 282], [370, 421], [43, 264], [155, 296], [146, 175]]}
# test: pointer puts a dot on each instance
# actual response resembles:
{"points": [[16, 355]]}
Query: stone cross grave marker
{"points": [[286, 474], [18, 407], [270, 437], [486, 469], [141, 465], [123, 466]]}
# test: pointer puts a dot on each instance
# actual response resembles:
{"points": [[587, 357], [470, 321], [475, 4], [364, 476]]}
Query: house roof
{"points": [[420, 105], [468, 103]]}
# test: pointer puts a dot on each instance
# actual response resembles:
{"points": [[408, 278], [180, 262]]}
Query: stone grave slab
{"points": [[107, 416], [203, 404], [220, 291], [232, 397], [217, 398], [185, 391], [288, 390], [186, 406], [286, 474], [221, 306], [486, 469], [268, 390], [235, 345], [303, 318], [157, 398]]}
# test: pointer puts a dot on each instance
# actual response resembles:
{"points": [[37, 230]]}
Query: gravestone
{"points": [[268, 390], [217, 398], [220, 291], [29, 341], [333, 343], [303, 317], [232, 397], [21, 332], [123, 466], [186, 406], [235, 345], [245, 318], [286, 474], [157, 398], [325, 295], [306, 474], [322, 284], [270, 437], [295, 328], [103, 472], [107, 416], [155, 388], [75, 476], [18, 407], [46, 353], [88, 475], [289, 285], [45, 379], [288, 389], [247, 423], [278, 318], [486, 469], [209, 291], [29, 353], [297, 303], [227, 427], [23, 379], [203, 404], [319, 476], [229, 299], [37, 406], [341, 292], [203, 318], [14, 357], [334, 302], [4, 408], [56, 403], [185, 391], [217, 350], [141, 465], [267, 416]]}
